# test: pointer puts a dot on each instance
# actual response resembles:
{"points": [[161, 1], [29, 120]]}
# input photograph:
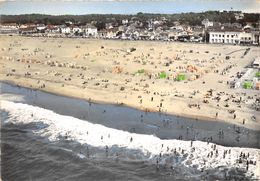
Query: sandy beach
{"points": [[118, 88], [128, 72]]}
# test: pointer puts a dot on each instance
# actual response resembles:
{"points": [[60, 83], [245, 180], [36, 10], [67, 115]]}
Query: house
{"points": [[27, 25], [112, 33], [197, 34], [183, 36], [52, 29], [198, 31], [64, 29], [207, 23], [125, 36], [90, 30], [173, 35], [27, 30], [180, 33], [125, 21], [40, 28], [76, 29], [189, 31], [256, 37], [102, 33], [9, 28], [122, 28], [246, 38], [239, 15], [144, 35]]}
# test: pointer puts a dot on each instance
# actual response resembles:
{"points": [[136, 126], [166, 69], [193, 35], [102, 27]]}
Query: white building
{"points": [[228, 37], [64, 29], [234, 37], [207, 23], [76, 29], [125, 21], [239, 15], [40, 27], [246, 38], [90, 30]]}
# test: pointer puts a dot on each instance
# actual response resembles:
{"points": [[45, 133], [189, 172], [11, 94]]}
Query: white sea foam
{"points": [[138, 146]]}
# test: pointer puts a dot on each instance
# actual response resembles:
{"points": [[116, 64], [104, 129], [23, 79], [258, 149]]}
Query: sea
{"points": [[28, 157]]}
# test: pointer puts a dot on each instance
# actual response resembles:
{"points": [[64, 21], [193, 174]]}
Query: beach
{"points": [[109, 71], [171, 103]]}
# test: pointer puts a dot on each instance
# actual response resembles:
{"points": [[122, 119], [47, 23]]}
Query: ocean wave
{"points": [[193, 157]]}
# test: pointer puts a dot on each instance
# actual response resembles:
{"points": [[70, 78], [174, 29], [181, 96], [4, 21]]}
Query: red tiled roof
{"points": [[27, 29], [8, 24]]}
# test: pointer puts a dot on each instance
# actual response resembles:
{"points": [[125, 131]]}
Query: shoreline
{"points": [[59, 103], [147, 110]]}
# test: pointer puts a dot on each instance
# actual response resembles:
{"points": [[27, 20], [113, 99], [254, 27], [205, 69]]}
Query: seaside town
{"points": [[176, 95], [152, 29]]}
